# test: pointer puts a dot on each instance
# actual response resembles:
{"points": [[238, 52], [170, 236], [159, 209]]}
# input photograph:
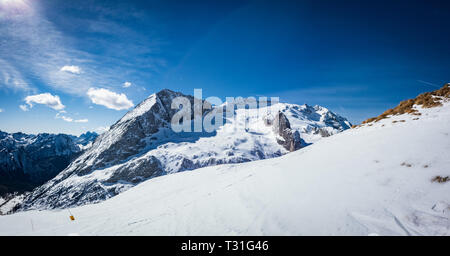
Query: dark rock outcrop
{"points": [[137, 171], [289, 138]]}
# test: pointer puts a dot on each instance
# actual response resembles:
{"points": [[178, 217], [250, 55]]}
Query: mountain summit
{"points": [[142, 145]]}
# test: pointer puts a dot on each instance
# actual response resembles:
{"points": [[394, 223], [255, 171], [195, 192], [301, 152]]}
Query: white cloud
{"points": [[71, 69], [109, 99], [47, 99], [81, 121], [11, 78], [126, 84], [1, 110], [69, 119], [102, 129], [23, 107]]}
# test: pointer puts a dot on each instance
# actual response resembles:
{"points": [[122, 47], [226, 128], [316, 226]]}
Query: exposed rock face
{"points": [[27, 161], [138, 171], [322, 132], [290, 139]]}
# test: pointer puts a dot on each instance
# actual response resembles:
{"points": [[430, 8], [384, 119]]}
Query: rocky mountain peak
{"points": [[289, 139]]}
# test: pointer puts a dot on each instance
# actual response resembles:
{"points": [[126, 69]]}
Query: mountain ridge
{"points": [[28, 160], [141, 145]]}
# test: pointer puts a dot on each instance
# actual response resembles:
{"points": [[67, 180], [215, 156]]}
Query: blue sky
{"points": [[74, 66]]}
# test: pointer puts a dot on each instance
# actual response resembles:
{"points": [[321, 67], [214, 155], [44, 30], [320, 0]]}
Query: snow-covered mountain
{"points": [[85, 140], [385, 177], [142, 145], [30, 160]]}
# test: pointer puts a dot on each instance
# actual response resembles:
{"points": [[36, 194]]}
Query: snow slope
{"points": [[375, 179]]}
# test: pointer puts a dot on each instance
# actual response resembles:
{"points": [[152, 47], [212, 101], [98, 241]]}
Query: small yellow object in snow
{"points": [[71, 217]]}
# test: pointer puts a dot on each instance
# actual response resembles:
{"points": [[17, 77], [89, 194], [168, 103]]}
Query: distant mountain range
{"points": [[142, 145], [27, 161]]}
